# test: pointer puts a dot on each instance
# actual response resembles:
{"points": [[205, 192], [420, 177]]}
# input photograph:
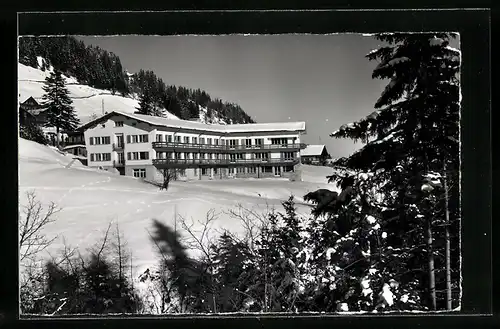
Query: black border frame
{"points": [[474, 28]]}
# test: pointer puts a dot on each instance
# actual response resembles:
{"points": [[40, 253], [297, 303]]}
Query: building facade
{"points": [[143, 146]]}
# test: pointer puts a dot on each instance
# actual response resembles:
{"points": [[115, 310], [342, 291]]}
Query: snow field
{"points": [[91, 199]]}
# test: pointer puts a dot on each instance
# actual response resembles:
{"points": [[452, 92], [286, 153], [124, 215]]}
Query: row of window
{"points": [[100, 157], [217, 141], [141, 172], [104, 140], [131, 139], [217, 156]]}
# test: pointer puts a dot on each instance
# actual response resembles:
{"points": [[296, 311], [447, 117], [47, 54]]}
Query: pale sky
{"points": [[324, 80]]}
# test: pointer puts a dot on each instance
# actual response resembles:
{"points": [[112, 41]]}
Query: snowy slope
{"points": [[91, 199], [86, 100]]}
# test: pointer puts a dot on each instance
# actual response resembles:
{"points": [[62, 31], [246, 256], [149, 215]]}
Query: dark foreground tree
{"points": [[412, 150], [61, 113]]}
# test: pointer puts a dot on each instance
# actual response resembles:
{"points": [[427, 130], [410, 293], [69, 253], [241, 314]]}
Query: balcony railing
{"points": [[225, 162], [177, 145], [117, 146], [118, 164]]}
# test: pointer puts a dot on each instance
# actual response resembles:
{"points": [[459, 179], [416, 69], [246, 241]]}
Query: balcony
{"points": [[225, 148], [118, 146], [195, 163], [118, 164]]}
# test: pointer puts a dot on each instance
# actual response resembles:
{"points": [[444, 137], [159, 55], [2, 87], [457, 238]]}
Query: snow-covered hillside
{"points": [[86, 100], [90, 199]]}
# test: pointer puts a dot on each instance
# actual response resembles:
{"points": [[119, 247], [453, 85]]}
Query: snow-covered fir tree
{"points": [[61, 113], [398, 198]]}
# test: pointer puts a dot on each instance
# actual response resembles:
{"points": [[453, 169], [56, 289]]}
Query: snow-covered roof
{"points": [[312, 150], [73, 146], [185, 124]]}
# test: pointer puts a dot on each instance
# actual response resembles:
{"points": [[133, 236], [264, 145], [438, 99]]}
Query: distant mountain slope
{"points": [[100, 72], [88, 101]]}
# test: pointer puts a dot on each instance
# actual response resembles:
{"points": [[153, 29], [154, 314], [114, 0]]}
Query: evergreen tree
{"points": [[412, 145], [61, 113], [146, 104]]}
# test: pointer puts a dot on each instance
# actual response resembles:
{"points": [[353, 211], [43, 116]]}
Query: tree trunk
{"points": [[57, 137], [448, 242], [432, 278]]}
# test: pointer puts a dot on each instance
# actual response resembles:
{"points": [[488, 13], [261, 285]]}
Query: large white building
{"points": [[141, 145]]}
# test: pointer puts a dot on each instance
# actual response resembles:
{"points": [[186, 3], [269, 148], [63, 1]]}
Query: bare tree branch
{"points": [[31, 239]]}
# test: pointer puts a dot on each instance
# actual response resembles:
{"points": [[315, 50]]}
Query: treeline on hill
{"points": [[155, 97], [101, 69]]}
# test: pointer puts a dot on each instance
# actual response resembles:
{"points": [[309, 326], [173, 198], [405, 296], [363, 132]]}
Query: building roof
{"points": [[186, 124], [69, 147], [313, 150], [30, 100]]}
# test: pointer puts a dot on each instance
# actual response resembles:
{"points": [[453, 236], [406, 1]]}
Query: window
{"points": [[195, 156], [91, 141], [267, 169], [232, 157], [169, 138], [277, 141], [202, 140], [186, 139], [182, 172], [248, 142], [133, 155], [202, 156], [222, 142], [177, 139], [143, 155], [97, 140], [204, 171], [239, 156], [209, 141], [195, 140], [231, 171], [92, 157], [215, 171], [159, 137], [240, 170], [259, 141], [186, 155], [106, 140], [143, 138], [134, 124], [233, 142], [168, 155], [287, 155], [252, 170], [139, 173], [106, 157], [160, 155], [216, 141], [118, 123]]}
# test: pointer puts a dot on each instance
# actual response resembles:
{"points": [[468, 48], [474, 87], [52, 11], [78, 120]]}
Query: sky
{"points": [[324, 80]]}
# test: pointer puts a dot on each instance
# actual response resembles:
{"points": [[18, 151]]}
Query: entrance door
{"points": [[277, 170]]}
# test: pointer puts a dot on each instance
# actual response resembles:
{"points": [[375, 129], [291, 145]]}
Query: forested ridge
{"points": [[99, 68]]}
